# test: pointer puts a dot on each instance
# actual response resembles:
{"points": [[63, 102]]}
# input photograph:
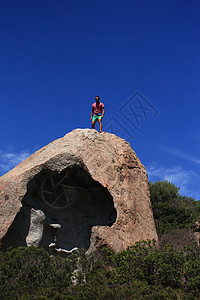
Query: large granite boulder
{"points": [[84, 190]]}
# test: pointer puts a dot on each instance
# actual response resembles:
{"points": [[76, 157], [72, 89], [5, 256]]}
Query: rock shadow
{"points": [[59, 210]]}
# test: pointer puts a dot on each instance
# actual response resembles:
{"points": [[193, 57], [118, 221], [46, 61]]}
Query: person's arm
{"points": [[91, 113], [103, 112]]}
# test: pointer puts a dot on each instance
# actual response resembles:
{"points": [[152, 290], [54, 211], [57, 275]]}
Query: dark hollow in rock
{"points": [[59, 210]]}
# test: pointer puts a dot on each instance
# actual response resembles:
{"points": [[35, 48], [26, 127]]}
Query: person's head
{"points": [[97, 98]]}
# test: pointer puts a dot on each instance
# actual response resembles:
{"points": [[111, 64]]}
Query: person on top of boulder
{"points": [[98, 110]]}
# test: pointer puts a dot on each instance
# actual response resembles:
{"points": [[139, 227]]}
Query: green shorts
{"points": [[96, 118]]}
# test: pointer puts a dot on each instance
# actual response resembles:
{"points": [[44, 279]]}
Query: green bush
{"points": [[192, 269], [169, 267], [31, 271], [140, 272]]}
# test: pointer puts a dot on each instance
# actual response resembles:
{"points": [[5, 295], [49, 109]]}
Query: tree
{"points": [[170, 209]]}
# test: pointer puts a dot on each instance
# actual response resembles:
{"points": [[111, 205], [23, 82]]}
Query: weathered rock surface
{"points": [[83, 190], [180, 238]]}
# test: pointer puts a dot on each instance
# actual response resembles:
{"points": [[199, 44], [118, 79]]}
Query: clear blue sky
{"points": [[56, 56]]}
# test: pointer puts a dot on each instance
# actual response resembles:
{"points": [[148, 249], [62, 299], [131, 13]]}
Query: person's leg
{"points": [[93, 124], [100, 125]]}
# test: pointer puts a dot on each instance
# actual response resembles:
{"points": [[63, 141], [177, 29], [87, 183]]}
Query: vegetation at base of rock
{"points": [[170, 210], [140, 272]]}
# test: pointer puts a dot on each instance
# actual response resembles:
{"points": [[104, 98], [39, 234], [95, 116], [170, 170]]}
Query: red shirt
{"points": [[97, 108]]}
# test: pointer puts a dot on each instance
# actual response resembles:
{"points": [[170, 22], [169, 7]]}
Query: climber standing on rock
{"points": [[98, 110]]}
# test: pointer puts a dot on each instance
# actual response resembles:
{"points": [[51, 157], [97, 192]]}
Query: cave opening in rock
{"points": [[59, 210]]}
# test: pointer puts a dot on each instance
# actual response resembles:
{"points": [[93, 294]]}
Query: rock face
{"points": [[83, 190], [181, 237]]}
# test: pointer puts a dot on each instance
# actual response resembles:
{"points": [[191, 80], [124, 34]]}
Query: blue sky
{"points": [[141, 57]]}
